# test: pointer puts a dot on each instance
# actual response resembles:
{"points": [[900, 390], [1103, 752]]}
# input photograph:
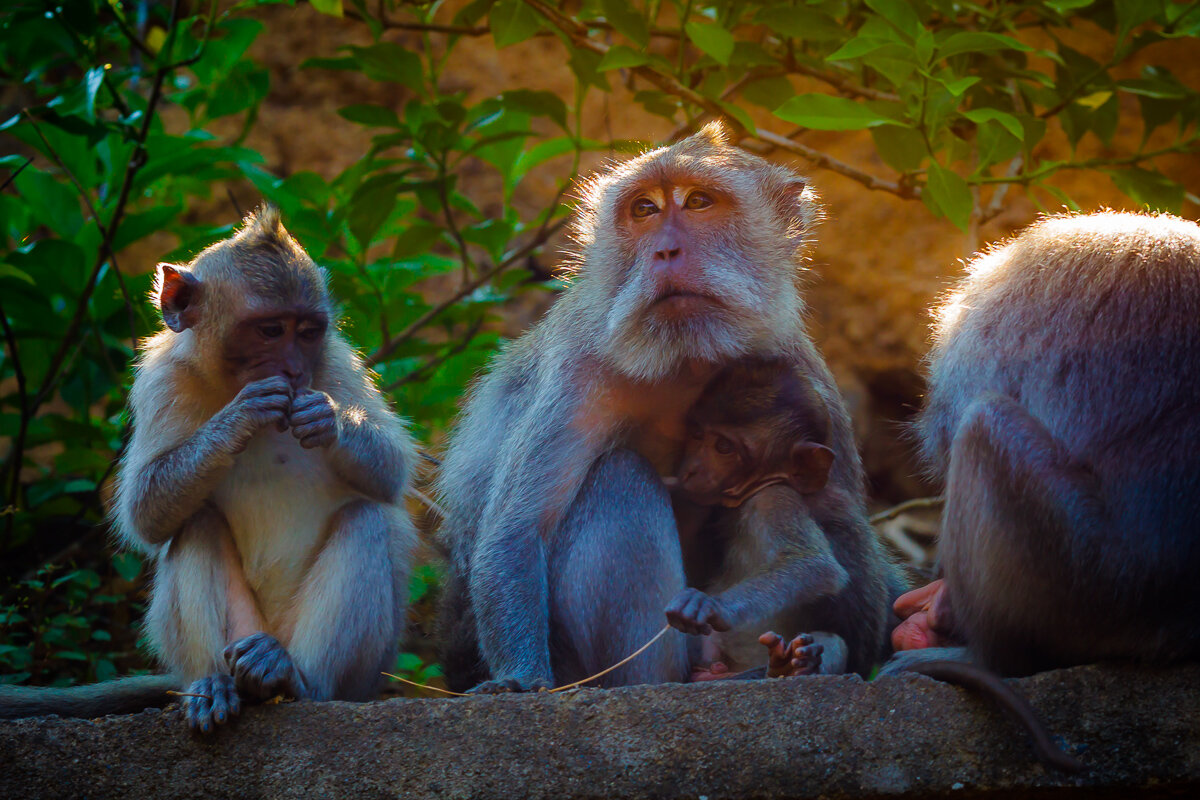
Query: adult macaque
{"points": [[564, 545], [265, 477], [1063, 415], [1063, 418], [757, 436]]}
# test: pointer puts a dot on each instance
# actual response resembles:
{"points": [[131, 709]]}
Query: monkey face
{"points": [[693, 251], [713, 466], [286, 342]]}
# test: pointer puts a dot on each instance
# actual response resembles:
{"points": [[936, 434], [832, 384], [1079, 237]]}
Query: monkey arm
{"points": [[157, 497], [373, 453], [803, 570]]}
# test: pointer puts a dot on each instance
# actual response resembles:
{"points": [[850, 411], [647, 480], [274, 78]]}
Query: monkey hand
{"points": [[692, 611], [798, 657], [505, 685], [262, 668], [928, 620], [212, 701], [259, 404], [314, 420]]}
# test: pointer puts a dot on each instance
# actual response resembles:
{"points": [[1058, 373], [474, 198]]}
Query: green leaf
{"points": [[128, 565], [901, 147], [770, 92], [512, 21], [585, 64], [976, 42], [1150, 188], [1008, 121], [371, 115], [9, 271], [625, 17], [713, 40], [803, 23], [858, 47], [900, 14], [54, 204], [948, 195], [621, 57], [331, 7], [958, 86], [390, 63], [539, 103], [824, 112]]}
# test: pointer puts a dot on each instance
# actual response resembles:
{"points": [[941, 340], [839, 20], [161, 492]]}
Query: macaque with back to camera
{"points": [[1063, 419], [265, 477], [565, 550], [757, 424]]}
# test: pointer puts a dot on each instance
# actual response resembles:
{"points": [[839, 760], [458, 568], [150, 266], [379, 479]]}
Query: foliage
{"points": [[957, 98]]}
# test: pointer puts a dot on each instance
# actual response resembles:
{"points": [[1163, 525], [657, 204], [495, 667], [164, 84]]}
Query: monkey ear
{"points": [[800, 205], [810, 467], [178, 292]]}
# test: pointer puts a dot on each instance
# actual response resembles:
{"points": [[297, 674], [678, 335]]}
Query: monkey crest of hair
{"points": [[744, 264], [260, 260]]}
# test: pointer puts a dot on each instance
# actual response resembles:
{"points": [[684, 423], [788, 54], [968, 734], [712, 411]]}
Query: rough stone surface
{"points": [[1138, 731]]}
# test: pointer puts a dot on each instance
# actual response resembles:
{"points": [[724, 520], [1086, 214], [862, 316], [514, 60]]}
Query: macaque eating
{"points": [[265, 478]]}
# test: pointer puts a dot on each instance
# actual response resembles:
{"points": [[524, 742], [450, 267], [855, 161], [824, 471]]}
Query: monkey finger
{"points": [[916, 600]]}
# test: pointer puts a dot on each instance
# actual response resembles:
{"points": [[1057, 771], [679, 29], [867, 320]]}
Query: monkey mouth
{"points": [[681, 302]]}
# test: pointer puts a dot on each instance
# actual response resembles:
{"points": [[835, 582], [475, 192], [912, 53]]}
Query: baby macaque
{"points": [[758, 424], [755, 426]]}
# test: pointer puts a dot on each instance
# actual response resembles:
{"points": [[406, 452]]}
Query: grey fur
{"points": [[1064, 416], [541, 469]]}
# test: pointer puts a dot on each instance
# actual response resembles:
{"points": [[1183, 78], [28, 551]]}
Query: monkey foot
{"points": [[213, 701], [506, 685], [715, 671], [798, 657], [262, 668]]}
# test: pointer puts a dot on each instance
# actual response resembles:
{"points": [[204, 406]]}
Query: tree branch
{"points": [[389, 347]]}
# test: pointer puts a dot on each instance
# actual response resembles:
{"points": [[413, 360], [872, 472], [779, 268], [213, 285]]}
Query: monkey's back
{"points": [[1091, 324]]}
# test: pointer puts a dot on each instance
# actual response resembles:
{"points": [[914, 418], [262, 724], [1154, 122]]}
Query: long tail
{"points": [[120, 696], [988, 683]]}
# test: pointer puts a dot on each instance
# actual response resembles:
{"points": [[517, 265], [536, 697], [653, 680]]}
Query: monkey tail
{"points": [[970, 676], [120, 696]]}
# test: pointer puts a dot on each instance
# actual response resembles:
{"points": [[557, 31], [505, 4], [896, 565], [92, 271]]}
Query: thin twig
{"points": [[420, 372], [830, 163], [87, 200], [18, 447], [622, 662], [388, 347], [479, 30], [13, 175], [916, 504], [556, 689], [188, 694]]}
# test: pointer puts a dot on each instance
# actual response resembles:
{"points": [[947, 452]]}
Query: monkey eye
{"points": [[724, 446], [312, 334], [697, 201], [643, 207], [271, 330]]}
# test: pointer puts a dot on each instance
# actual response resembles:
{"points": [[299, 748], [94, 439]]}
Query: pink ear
{"points": [[810, 467], [178, 292]]}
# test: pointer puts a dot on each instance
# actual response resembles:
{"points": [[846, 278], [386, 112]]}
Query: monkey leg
{"points": [[350, 609], [1021, 519], [615, 566], [200, 599]]}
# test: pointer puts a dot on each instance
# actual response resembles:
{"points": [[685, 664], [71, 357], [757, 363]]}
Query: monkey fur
{"points": [[1063, 419], [564, 545], [264, 478]]}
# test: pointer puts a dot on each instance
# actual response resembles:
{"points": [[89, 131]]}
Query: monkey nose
{"points": [[667, 254]]}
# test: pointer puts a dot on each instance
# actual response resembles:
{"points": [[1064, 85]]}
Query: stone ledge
{"points": [[1137, 730]]}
